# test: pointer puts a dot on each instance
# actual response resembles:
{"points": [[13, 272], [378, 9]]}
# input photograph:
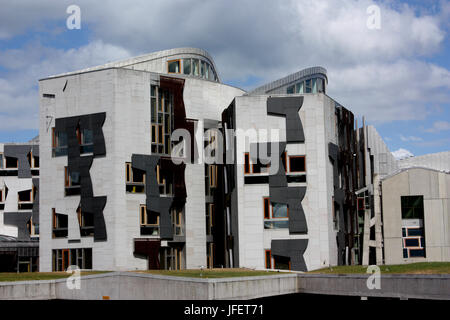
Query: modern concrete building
{"points": [[19, 206], [279, 177], [416, 216], [111, 197]]}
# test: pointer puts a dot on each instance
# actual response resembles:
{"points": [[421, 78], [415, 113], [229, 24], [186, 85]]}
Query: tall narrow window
{"points": [[187, 66], [246, 163], [195, 67], [268, 257]]}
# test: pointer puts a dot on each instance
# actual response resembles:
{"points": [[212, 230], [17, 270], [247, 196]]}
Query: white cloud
{"points": [[410, 138], [439, 126], [377, 73], [402, 154], [19, 101]]}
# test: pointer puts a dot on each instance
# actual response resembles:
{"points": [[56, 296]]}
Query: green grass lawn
{"points": [[211, 273], [28, 276], [412, 268]]}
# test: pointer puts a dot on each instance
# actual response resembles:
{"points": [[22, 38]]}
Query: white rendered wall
{"points": [[315, 114]]}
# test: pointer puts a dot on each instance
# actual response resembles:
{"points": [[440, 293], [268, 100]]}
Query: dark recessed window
{"points": [[11, 163], [297, 164], [412, 207]]}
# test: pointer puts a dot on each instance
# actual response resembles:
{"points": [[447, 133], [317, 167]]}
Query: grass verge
{"points": [[411, 268], [29, 276], [212, 273]]}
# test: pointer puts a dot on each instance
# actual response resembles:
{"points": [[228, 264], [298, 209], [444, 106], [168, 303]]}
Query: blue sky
{"points": [[397, 76]]}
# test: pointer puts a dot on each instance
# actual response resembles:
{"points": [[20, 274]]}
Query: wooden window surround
{"points": [[268, 209], [172, 61]]}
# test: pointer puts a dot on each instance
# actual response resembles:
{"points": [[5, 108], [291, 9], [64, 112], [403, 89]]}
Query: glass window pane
{"points": [[202, 69], [308, 86], [174, 66], [279, 210], [290, 90], [187, 66], [195, 67], [210, 73], [314, 86], [153, 109]]}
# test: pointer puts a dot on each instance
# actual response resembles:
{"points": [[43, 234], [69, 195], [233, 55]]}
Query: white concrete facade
{"points": [[317, 117], [434, 186]]}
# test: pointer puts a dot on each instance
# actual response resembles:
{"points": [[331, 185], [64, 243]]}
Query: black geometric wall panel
{"points": [[288, 107], [82, 164], [293, 249]]}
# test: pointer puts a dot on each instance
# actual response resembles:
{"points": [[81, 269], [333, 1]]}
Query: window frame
{"points": [[179, 66]]}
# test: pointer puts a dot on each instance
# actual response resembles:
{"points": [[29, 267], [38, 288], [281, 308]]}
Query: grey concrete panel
{"points": [[36, 202], [288, 107], [293, 249], [20, 220], [20, 152]]}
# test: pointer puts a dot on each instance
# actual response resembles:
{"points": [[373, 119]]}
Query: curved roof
{"points": [[127, 63], [292, 78]]}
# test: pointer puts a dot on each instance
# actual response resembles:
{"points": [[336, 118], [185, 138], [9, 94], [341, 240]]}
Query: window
{"points": [[177, 221], [413, 242], [209, 218], [276, 215], [59, 143], [282, 263], [308, 88], [268, 258], [25, 200], [212, 176], [290, 89], [63, 258], [33, 229], [299, 87], [11, 163], [210, 255], [257, 167], [86, 223], [297, 164], [165, 180], [314, 85], [149, 221], [1, 160], [187, 66], [195, 67], [171, 258], [412, 207], [135, 179], [246, 163], [60, 225], [161, 120], [173, 66]]}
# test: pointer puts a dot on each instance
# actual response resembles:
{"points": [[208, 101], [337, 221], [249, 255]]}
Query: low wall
{"points": [[409, 286], [139, 286]]}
